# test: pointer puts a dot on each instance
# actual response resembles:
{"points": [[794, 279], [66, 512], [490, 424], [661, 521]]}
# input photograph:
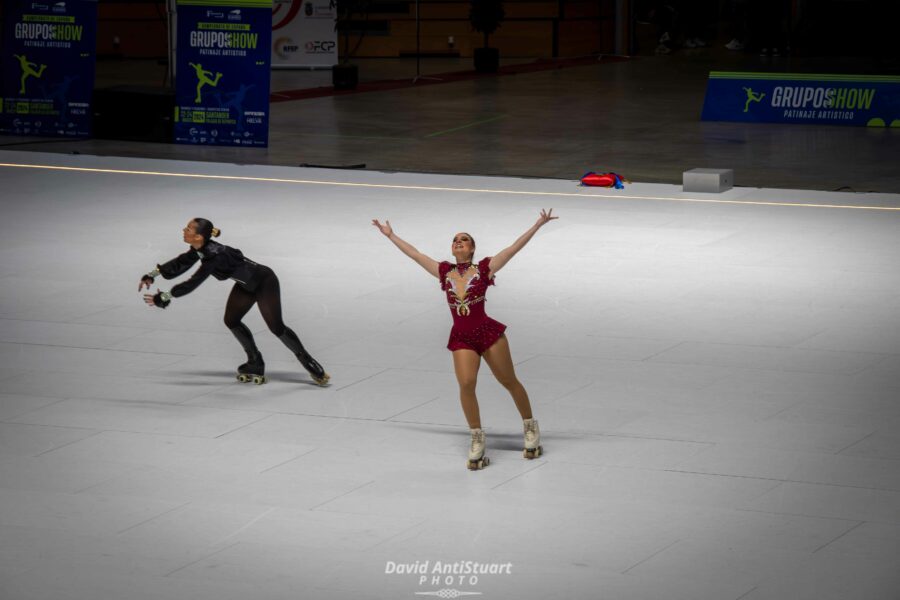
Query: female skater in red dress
{"points": [[475, 335]]}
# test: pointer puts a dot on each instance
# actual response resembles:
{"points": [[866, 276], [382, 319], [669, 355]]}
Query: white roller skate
{"points": [[533, 447], [477, 459]]}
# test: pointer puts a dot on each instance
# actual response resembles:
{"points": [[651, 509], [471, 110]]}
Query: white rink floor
{"points": [[717, 385]]}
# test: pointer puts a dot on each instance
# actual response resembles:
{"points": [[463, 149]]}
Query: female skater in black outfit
{"points": [[254, 284]]}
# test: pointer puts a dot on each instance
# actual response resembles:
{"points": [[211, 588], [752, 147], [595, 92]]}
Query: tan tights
{"points": [[498, 358]]}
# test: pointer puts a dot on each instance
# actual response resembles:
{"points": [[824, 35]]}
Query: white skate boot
{"points": [[477, 459], [533, 447]]}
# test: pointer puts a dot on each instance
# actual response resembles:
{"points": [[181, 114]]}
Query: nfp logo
{"points": [[284, 47], [214, 14], [36, 6]]}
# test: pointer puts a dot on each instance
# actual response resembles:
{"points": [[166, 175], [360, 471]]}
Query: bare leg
{"points": [[466, 363], [500, 361]]}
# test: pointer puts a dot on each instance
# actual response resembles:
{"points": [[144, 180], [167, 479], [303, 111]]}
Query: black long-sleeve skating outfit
{"points": [[220, 261], [254, 284]]}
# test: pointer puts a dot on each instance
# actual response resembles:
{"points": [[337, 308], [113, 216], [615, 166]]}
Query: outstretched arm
{"points": [[170, 269], [426, 262], [162, 299], [501, 258]]}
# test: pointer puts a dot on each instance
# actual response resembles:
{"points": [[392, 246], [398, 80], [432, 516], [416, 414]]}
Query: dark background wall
{"points": [[544, 28], [532, 28]]}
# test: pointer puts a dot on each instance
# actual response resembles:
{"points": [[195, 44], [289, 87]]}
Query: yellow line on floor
{"points": [[466, 126], [450, 189]]}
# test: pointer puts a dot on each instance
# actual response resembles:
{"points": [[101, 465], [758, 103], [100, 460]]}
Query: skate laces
{"points": [[477, 438], [531, 432]]}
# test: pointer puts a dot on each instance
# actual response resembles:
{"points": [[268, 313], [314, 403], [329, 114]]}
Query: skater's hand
{"points": [[385, 229], [545, 217], [146, 281], [501, 258], [156, 299]]}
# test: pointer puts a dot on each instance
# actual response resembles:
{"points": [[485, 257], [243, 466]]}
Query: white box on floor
{"points": [[708, 180]]}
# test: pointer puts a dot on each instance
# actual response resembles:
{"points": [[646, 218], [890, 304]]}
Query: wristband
{"points": [[162, 299]]}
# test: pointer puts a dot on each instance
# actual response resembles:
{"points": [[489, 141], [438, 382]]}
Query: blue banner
{"points": [[862, 100], [48, 61], [222, 74]]}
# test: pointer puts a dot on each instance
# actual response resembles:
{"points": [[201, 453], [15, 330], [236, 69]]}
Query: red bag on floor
{"points": [[603, 180]]}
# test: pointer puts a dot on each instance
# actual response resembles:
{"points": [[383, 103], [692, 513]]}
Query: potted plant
{"points": [[486, 16]]}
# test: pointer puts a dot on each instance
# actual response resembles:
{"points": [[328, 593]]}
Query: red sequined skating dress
{"points": [[466, 285]]}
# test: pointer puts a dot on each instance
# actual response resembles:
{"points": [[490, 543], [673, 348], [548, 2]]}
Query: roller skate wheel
{"points": [[477, 465], [323, 380], [259, 379], [533, 452], [243, 378]]}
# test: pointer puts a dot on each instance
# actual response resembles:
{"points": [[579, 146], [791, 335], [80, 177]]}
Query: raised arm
{"points": [[501, 258], [426, 262]]}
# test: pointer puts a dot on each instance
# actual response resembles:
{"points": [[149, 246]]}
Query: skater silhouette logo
{"points": [[752, 97], [204, 78], [29, 69]]}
